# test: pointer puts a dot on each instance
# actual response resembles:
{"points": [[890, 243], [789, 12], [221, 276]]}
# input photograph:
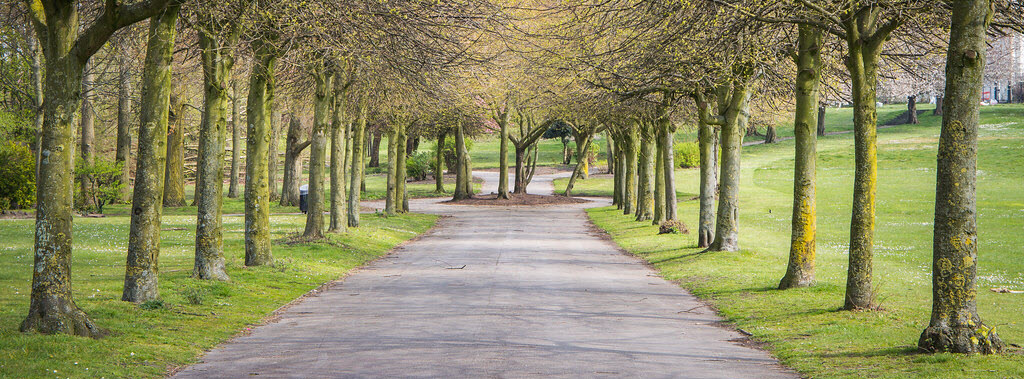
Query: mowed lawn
{"points": [[194, 315], [802, 326]]}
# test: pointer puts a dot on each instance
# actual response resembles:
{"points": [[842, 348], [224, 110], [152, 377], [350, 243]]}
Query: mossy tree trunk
{"points": [[318, 153], [667, 134], [257, 187], [629, 145], [88, 134], [645, 174], [734, 104], [339, 159], [401, 151], [802, 248], [707, 137], [503, 118], [912, 110], [619, 173], [217, 62], [236, 139], [374, 149], [293, 162], [439, 163], [142, 268], [357, 143], [955, 325], [274, 157], [659, 181], [124, 128], [390, 196], [463, 180], [581, 164], [821, 120], [174, 173]]}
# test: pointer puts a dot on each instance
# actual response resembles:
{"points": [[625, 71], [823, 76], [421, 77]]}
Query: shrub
{"points": [[449, 151], [105, 185], [17, 176], [673, 227], [687, 155], [419, 165]]}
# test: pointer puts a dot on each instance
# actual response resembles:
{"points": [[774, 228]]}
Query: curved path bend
{"points": [[497, 292]]}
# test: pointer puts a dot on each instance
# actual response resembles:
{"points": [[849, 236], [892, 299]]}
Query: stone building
{"points": [[1004, 73]]}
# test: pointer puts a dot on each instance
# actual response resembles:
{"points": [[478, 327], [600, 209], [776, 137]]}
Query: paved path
{"points": [[502, 292]]}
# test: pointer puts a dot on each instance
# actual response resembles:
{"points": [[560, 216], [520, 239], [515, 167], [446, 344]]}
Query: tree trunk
{"points": [[668, 160], [141, 271], [37, 89], [581, 164], [236, 139], [800, 270], [88, 124], [174, 175], [503, 156], [707, 138], [357, 143], [727, 224], [938, 106], [630, 147], [645, 172], [257, 187], [619, 174], [610, 145], [582, 139], [659, 180], [339, 159], [912, 110], [401, 195], [272, 154], [52, 308], [390, 208], [770, 135], [209, 254], [293, 162], [318, 154], [463, 186], [863, 66], [439, 164], [374, 151], [124, 126], [955, 325], [821, 120]]}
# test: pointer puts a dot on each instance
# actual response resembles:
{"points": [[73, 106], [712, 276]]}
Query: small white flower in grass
{"points": [[133, 354]]}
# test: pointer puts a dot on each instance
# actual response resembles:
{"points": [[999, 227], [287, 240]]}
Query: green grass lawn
{"points": [[195, 316], [802, 326]]}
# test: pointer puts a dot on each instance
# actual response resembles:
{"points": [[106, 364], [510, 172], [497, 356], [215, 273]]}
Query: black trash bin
{"points": [[303, 195]]}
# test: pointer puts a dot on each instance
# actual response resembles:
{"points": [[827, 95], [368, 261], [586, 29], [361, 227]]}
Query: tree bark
{"points": [[37, 89], [668, 160], [374, 151], [390, 198], [217, 62], [727, 223], [318, 154], [619, 173], [293, 162], [862, 63], [174, 175], [274, 157], [439, 163], [645, 173], [401, 148], [938, 106], [581, 164], [802, 248], [610, 146], [88, 134], [955, 325], [236, 139], [339, 159], [503, 118], [769, 134], [142, 268], [124, 127], [707, 137], [821, 120], [257, 187], [357, 144], [912, 110], [659, 180], [463, 180], [630, 147]]}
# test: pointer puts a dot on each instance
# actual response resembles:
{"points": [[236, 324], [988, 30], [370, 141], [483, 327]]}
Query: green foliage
{"points": [[17, 176], [419, 165], [687, 154], [16, 126], [558, 129], [105, 182], [450, 155], [152, 305]]}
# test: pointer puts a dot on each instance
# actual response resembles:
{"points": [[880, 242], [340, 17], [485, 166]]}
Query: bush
{"points": [[673, 227], [105, 182], [419, 165], [17, 176], [449, 151], [687, 155]]}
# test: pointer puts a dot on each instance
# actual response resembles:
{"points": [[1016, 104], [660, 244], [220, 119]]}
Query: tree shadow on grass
{"points": [[895, 351]]}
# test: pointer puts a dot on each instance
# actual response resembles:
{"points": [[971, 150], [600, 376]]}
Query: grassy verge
{"points": [[194, 315], [803, 327]]}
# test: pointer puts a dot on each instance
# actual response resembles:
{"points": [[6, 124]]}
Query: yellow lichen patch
{"points": [[968, 261]]}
